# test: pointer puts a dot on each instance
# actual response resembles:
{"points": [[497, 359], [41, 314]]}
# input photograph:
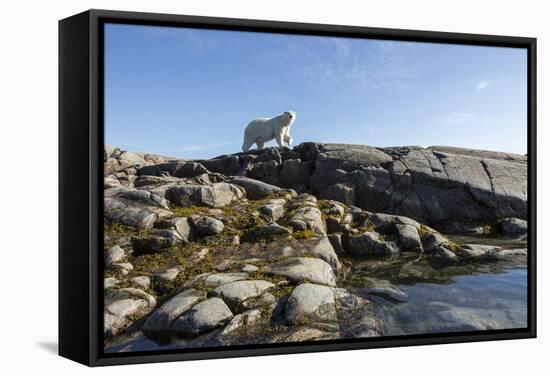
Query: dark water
{"points": [[416, 297]]}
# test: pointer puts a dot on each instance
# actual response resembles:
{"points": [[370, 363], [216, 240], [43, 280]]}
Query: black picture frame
{"points": [[81, 185]]}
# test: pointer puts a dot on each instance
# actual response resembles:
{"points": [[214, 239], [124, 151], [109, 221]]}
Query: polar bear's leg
{"points": [[247, 144], [279, 137], [287, 138], [260, 144]]}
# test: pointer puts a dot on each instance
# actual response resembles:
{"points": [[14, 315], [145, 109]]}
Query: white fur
{"points": [[262, 130]]}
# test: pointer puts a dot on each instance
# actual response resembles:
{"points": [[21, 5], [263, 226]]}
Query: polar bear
{"points": [[262, 130]]}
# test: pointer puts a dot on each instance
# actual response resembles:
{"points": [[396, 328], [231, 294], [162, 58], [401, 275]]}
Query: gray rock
{"points": [[300, 269], [272, 212], [217, 279], [344, 193], [204, 316], [309, 302], [322, 248], [207, 226], [297, 225], [132, 158], [113, 254], [408, 237], [312, 217], [146, 197], [123, 267], [167, 275], [369, 244], [110, 282], [434, 241], [336, 241], [513, 226], [248, 268], [242, 322], [122, 306], [161, 320], [215, 195], [236, 293], [142, 281], [267, 231], [255, 189], [115, 210], [181, 225], [442, 255], [478, 251], [158, 241]]}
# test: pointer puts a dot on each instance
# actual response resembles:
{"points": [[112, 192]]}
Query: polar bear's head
{"points": [[289, 117]]}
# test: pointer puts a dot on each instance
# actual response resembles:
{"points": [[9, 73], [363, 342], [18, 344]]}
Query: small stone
{"points": [[248, 268], [124, 267], [408, 237], [142, 281], [207, 226], [235, 293], [114, 254], [110, 282], [242, 321]]}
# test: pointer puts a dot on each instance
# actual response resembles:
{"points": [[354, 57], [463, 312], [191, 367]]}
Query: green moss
{"points": [[423, 232], [180, 211], [453, 246], [488, 229], [282, 291], [305, 234]]}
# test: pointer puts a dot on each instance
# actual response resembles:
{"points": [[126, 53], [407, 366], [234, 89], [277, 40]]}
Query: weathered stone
{"points": [[299, 269], [110, 282], [207, 226], [156, 242], [309, 302], [267, 231], [236, 293], [312, 217], [215, 195], [216, 279], [202, 317], [242, 322], [113, 254], [369, 244], [408, 237], [120, 212], [336, 241], [167, 275], [132, 158], [181, 225], [442, 255], [248, 268], [142, 281], [272, 211], [478, 251], [123, 267], [513, 226], [344, 193], [255, 189], [161, 320], [122, 306]]}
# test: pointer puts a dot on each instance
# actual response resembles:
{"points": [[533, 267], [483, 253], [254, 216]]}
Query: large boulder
{"points": [[255, 189], [215, 195], [301, 269], [310, 302], [207, 226], [409, 238], [123, 306], [369, 244], [236, 293], [202, 317], [513, 226], [162, 319]]}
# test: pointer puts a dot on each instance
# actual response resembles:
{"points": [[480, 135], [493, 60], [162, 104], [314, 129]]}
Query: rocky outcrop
{"points": [[224, 251], [435, 185]]}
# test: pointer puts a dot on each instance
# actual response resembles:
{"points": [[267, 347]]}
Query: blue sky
{"points": [[190, 93]]}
